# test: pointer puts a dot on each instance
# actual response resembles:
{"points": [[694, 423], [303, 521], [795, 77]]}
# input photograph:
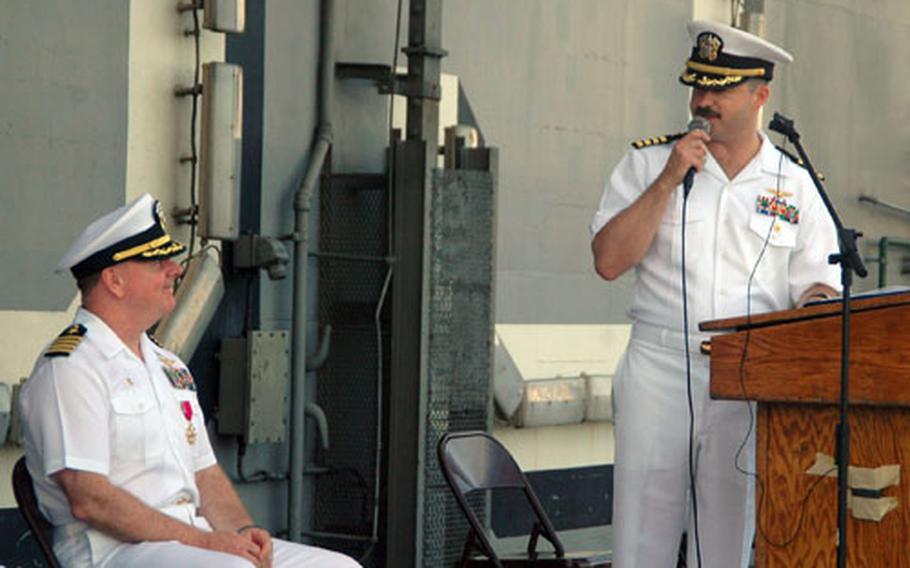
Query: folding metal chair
{"points": [[28, 506], [475, 461]]}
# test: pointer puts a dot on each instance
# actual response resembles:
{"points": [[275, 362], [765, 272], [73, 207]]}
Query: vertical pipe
{"points": [[752, 18], [882, 262], [415, 160], [322, 143]]}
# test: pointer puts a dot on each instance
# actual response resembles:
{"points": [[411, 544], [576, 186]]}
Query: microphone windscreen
{"points": [[699, 123]]}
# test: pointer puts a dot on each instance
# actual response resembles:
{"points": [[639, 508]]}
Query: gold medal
{"points": [[190, 434], [187, 409]]}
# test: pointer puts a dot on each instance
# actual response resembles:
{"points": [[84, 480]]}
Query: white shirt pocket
{"points": [[668, 244], [783, 234], [136, 430]]}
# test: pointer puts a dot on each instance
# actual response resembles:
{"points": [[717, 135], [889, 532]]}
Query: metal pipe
{"points": [[321, 145], [884, 244], [315, 412], [318, 360], [882, 260], [339, 536], [884, 205], [377, 466], [352, 257]]}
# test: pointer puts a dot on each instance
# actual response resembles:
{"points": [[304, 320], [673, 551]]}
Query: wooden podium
{"points": [[792, 369]]}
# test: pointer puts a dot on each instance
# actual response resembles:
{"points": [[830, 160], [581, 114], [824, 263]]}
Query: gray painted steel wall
{"points": [[851, 100], [281, 100], [288, 125], [63, 145], [562, 88]]}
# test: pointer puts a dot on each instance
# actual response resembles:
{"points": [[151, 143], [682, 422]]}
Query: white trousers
{"points": [[172, 553], [74, 550], [651, 500]]}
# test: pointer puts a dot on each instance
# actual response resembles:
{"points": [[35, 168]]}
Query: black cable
{"points": [[804, 502], [194, 158], [741, 363], [759, 482], [685, 299], [742, 359], [250, 297], [393, 77]]}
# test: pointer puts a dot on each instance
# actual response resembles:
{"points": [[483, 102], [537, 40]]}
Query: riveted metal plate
{"points": [[253, 395]]}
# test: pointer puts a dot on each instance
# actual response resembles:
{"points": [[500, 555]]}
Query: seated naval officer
{"points": [[115, 439]]}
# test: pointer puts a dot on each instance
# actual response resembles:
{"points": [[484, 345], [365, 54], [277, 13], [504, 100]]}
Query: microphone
{"points": [[697, 123], [783, 125]]}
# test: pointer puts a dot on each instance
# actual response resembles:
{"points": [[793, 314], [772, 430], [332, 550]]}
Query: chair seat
{"points": [[597, 559]]}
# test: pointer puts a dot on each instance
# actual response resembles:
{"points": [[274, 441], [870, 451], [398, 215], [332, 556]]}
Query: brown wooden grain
{"points": [[789, 437], [792, 367], [811, 312], [799, 360]]}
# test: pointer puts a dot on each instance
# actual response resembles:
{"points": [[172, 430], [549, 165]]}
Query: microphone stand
{"points": [[849, 260]]}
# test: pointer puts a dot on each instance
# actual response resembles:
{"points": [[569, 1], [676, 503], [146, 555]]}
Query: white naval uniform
{"points": [[726, 228], [103, 410]]}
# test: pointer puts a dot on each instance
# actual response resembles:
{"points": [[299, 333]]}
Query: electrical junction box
{"points": [[253, 390], [220, 151], [226, 16]]}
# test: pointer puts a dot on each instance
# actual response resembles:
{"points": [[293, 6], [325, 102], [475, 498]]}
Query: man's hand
{"points": [[113, 511], [236, 544], [222, 508], [263, 541], [690, 151], [624, 240], [817, 291]]}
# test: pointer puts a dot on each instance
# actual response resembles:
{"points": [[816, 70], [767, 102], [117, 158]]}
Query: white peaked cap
{"points": [[134, 231]]}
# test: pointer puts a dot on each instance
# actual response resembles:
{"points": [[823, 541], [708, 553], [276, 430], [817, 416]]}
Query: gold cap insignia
{"points": [[160, 215], [709, 46]]}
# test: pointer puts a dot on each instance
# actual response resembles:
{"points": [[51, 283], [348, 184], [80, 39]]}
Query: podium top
{"points": [[874, 300], [792, 356]]}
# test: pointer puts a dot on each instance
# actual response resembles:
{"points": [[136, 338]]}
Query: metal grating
{"points": [[353, 221], [460, 342]]}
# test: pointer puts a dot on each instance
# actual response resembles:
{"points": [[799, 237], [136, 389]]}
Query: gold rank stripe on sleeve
{"points": [[67, 342], [657, 141]]}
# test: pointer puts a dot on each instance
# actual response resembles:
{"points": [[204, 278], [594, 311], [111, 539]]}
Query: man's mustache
{"points": [[706, 112]]}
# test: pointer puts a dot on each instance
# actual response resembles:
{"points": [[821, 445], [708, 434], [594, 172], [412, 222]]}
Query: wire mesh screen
{"points": [[352, 248], [459, 373]]}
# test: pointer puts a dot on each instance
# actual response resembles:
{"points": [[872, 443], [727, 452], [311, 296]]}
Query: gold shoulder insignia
{"points": [[66, 342], [798, 161], [665, 139]]}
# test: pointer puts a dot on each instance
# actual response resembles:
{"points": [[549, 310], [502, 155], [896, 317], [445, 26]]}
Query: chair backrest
{"points": [[34, 518], [473, 461], [478, 461]]}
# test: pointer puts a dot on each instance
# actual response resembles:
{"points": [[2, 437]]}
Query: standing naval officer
{"points": [[115, 440], [757, 239]]}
